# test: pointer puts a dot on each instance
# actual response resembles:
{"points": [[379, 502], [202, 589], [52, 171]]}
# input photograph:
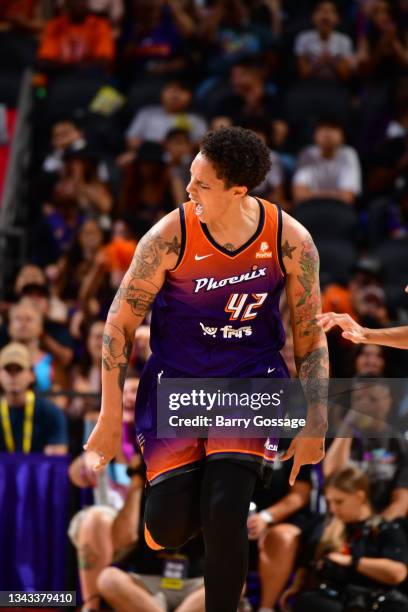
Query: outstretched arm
{"points": [[301, 261], [396, 337], [156, 253]]}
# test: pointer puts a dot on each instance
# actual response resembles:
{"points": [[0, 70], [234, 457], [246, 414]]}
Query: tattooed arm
{"points": [[301, 261], [156, 253]]}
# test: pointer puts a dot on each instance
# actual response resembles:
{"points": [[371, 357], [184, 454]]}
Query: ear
{"points": [[239, 192]]}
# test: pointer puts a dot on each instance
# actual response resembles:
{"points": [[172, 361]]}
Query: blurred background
{"points": [[103, 104]]}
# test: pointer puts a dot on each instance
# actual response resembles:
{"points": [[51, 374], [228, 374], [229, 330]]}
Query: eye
{"points": [[202, 186]]}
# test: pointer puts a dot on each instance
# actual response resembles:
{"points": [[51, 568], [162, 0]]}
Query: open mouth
{"points": [[198, 206]]}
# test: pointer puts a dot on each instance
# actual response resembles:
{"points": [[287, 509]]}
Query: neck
{"points": [[328, 153], [230, 216], [364, 513], [33, 347], [324, 34], [15, 398]]}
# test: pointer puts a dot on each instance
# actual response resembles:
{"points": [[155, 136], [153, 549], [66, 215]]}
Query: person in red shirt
{"points": [[76, 38]]}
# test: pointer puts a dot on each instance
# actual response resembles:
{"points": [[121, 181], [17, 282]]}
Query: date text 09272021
{"points": [[39, 599]]}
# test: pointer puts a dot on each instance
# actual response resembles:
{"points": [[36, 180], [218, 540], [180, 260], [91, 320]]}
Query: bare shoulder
{"points": [[297, 244], [159, 247]]}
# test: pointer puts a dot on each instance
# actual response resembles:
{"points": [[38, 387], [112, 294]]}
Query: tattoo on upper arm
{"points": [[308, 298], [287, 250], [116, 351], [149, 254], [145, 263]]}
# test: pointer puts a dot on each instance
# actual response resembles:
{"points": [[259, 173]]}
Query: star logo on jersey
{"points": [[264, 251], [200, 257]]}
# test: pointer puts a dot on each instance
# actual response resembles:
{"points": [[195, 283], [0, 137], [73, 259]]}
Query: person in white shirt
{"points": [[329, 168], [154, 122], [323, 52]]}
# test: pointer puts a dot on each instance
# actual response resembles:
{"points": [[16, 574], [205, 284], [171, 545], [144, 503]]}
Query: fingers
{"points": [[289, 453], [328, 320], [294, 473], [95, 460]]}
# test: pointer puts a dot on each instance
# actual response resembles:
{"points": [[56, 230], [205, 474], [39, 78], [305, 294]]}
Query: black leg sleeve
{"points": [[172, 511], [226, 493]]}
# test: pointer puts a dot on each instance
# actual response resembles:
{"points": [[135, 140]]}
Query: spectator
{"points": [[105, 532], [397, 214], [272, 188], [26, 325], [149, 188], [86, 377], [116, 256], [57, 226], [112, 9], [21, 16], [324, 53], [28, 424], [249, 95], [368, 441], [80, 181], [359, 561], [370, 360], [230, 34], [31, 284], [66, 135], [74, 271], [363, 298], [153, 122], [282, 514], [179, 153], [329, 168], [76, 39], [154, 41], [382, 52]]}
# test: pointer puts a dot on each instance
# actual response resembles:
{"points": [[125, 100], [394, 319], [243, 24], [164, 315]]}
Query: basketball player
{"points": [[219, 262]]}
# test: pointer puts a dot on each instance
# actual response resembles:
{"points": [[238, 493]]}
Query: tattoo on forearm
{"points": [[149, 254], [308, 298], [116, 351], [140, 301], [313, 370]]}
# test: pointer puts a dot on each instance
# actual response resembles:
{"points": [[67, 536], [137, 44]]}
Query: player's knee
{"points": [[167, 535], [108, 581]]}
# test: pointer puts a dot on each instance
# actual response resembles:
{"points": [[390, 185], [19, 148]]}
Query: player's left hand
{"points": [[304, 450]]}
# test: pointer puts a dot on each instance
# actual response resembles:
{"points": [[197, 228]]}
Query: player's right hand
{"points": [[351, 329], [103, 443]]}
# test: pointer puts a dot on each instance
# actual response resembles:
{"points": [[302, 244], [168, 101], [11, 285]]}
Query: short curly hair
{"points": [[238, 156]]}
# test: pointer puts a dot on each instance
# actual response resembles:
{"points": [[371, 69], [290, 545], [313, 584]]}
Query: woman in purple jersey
{"points": [[214, 495]]}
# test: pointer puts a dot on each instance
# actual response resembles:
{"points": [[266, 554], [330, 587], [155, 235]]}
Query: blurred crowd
{"points": [[122, 93]]}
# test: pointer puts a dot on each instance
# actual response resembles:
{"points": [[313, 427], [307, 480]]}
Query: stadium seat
{"points": [[10, 82], [328, 219], [337, 258], [393, 255], [307, 101], [70, 92]]}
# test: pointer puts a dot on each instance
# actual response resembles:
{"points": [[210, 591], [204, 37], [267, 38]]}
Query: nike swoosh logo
{"points": [[271, 370], [198, 257]]}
